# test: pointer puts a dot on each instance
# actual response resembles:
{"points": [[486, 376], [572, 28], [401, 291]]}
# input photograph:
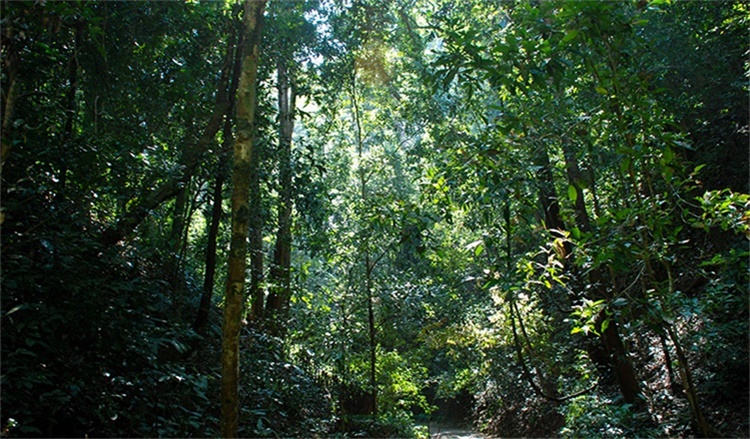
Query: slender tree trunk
{"points": [[367, 262], [192, 206], [70, 107], [574, 180], [280, 285], [234, 53], [201, 318], [175, 239], [705, 428], [10, 68], [548, 198], [373, 341], [257, 293], [243, 148], [621, 364], [8, 107], [591, 176], [257, 219], [673, 383], [547, 193]]}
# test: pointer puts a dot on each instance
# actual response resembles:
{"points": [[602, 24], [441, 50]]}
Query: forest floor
{"points": [[439, 431]]}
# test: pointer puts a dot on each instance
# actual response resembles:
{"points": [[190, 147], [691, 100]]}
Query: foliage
{"points": [[483, 194], [593, 416], [279, 398]]}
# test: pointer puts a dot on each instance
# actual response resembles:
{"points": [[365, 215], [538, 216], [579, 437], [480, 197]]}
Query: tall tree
{"points": [[243, 149], [280, 279]]}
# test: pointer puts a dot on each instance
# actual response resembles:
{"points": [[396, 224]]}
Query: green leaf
{"points": [[620, 301], [181, 347], [477, 246], [601, 90], [605, 325], [572, 193], [668, 155], [668, 173], [16, 308], [625, 164], [575, 232], [570, 36]]}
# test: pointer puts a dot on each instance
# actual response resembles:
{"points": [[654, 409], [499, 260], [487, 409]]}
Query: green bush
{"points": [[595, 415]]}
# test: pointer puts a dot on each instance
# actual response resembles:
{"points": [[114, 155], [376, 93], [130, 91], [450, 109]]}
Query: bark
{"points": [[575, 180], [547, 390], [243, 148], [213, 232], [591, 177], [620, 361], [175, 239], [705, 429], [548, 198], [192, 156], [280, 285], [673, 383], [547, 193], [256, 292]]}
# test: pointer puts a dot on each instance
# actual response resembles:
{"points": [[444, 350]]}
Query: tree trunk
{"points": [[70, 106], [575, 180], [243, 148], [705, 429], [373, 341], [547, 193], [621, 365], [201, 318], [367, 262], [175, 239], [614, 349], [213, 232], [280, 285], [257, 310], [10, 67]]}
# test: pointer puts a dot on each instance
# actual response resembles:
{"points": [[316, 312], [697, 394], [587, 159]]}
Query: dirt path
{"points": [[449, 432]]}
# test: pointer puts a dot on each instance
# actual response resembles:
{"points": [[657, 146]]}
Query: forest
{"points": [[363, 218]]}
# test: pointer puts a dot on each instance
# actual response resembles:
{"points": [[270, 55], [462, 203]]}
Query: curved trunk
{"points": [[192, 156]]}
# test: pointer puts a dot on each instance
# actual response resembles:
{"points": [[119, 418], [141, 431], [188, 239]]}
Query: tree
{"points": [[243, 149], [280, 278], [218, 193]]}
